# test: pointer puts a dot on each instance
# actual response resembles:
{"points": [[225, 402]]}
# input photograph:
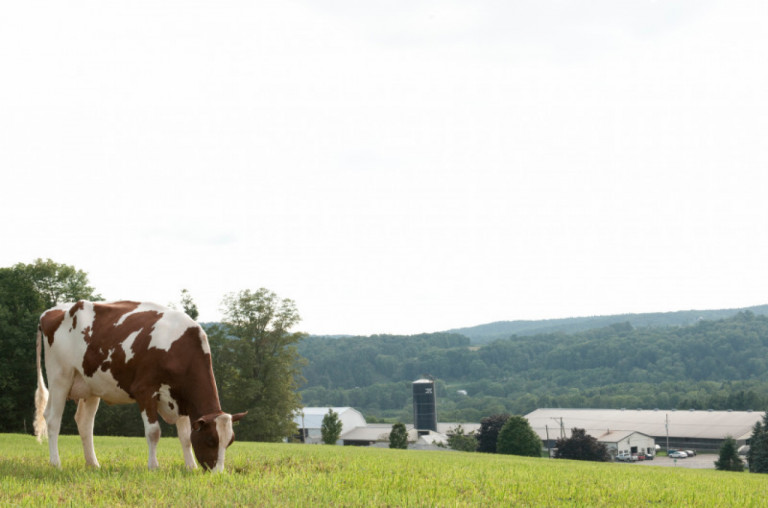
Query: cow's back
{"points": [[103, 347]]}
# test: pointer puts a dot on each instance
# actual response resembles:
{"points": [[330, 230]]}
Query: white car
{"points": [[677, 455]]}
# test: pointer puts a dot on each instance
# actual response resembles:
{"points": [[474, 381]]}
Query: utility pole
{"points": [[562, 427], [549, 451], [666, 425]]}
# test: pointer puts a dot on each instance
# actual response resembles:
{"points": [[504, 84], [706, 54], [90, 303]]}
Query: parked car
{"points": [[677, 455], [648, 456], [625, 457], [690, 453]]}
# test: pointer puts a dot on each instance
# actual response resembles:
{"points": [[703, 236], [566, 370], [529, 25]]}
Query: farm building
{"points": [[310, 419], [377, 434], [355, 431], [697, 430], [627, 442]]}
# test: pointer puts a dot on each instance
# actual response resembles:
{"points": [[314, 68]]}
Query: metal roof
{"points": [[447, 428], [615, 436], [371, 432], [702, 424], [312, 417]]}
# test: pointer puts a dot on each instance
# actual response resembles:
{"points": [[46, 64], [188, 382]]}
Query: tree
{"points": [[398, 437], [729, 459], [188, 304], [460, 441], [330, 429], [25, 292], [58, 283], [581, 446], [757, 456], [256, 362], [517, 437], [488, 435]]}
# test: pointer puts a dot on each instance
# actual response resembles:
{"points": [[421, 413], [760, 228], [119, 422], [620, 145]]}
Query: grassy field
{"points": [[306, 475]]}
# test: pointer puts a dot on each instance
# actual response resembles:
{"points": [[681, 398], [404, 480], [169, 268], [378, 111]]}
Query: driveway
{"points": [[702, 461]]}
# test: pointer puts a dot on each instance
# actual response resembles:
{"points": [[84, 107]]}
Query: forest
{"points": [[712, 364]]}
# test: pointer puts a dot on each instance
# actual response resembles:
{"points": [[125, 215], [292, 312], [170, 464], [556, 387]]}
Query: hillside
{"points": [[482, 334], [717, 364]]}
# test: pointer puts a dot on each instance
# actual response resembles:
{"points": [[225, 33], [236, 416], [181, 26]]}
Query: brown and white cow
{"points": [[126, 352]]}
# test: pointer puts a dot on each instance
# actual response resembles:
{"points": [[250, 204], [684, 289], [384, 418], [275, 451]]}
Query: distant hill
{"points": [[483, 334]]}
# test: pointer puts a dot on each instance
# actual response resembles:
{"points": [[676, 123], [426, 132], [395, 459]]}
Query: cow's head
{"points": [[211, 435]]}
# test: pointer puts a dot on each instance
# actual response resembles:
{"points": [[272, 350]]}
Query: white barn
{"points": [[627, 442], [309, 420]]}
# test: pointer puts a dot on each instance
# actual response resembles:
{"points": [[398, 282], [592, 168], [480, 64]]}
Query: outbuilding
{"points": [[628, 442]]}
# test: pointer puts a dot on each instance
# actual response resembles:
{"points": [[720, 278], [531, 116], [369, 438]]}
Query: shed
{"points": [[627, 441]]}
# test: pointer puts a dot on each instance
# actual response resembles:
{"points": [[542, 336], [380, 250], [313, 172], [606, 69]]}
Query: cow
{"points": [[125, 352]]}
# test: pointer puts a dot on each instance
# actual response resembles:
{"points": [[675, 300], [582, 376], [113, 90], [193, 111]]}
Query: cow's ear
{"points": [[198, 424], [238, 416]]}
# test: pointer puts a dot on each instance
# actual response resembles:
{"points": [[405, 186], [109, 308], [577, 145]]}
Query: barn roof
{"points": [[312, 417], [653, 422]]}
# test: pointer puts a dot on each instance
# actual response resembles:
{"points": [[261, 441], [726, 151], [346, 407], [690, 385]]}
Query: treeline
{"points": [[710, 365], [254, 355], [483, 334]]}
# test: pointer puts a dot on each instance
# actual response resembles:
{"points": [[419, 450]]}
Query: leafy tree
{"points": [[458, 440], [757, 456], [488, 435], [729, 459], [398, 437], [330, 429], [189, 305], [58, 283], [517, 437], [25, 292], [256, 362], [20, 306], [581, 446]]}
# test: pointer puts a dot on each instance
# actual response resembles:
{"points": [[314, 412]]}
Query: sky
{"points": [[392, 167]]}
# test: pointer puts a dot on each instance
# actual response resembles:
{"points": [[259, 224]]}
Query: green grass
{"points": [[309, 475]]}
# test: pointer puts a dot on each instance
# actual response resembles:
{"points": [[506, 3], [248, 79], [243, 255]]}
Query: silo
{"points": [[424, 405]]}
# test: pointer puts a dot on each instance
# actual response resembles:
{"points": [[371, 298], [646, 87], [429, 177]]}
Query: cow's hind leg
{"points": [[57, 399], [184, 428], [85, 416], [152, 432]]}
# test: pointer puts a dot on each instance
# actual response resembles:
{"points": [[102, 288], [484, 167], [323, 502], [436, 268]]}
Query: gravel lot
{"points": [[702, 461]]}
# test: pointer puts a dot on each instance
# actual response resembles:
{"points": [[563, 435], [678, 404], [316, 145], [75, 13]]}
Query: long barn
{"points": [[687, 429]]}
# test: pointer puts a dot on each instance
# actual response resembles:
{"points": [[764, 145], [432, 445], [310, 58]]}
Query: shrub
{"points": [[518, 438]]}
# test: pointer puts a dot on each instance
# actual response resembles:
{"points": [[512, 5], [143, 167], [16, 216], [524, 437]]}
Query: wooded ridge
{"points": [[712, 364]]}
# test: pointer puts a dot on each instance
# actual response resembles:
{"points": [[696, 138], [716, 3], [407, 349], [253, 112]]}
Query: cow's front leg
{"points": [[85, 415], [152, 432], [184, 428]]}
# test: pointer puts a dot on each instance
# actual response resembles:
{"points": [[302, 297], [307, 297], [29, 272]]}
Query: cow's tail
{"points": [[41, 395]]}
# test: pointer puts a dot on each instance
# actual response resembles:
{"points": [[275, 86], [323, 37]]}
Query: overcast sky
{"points": [[395, 166]]}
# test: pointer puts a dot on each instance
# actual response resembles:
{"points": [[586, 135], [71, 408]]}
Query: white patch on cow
{"points": [[224, 429], [128, 344], [142, 307], [85, 316], [166, 404], [204, 342], [103, 385], [169, 328]]}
